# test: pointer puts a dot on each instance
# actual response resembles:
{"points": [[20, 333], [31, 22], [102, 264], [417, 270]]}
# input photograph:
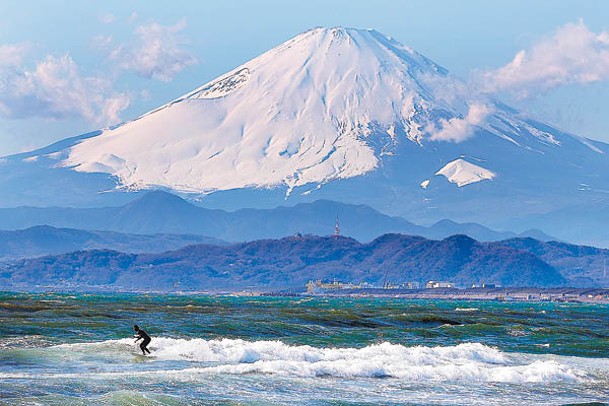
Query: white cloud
{"points": [[12, 55], [572, 55], [156, 54], [107, 18], [56, 89], [132, 17], [459, 129], [102, 42], [448, 88]]}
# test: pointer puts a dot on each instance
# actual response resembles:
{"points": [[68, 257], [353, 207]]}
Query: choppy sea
{"points": [[58, 349]]}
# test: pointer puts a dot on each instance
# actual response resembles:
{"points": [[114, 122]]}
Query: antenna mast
{"points": [[336, 228]]}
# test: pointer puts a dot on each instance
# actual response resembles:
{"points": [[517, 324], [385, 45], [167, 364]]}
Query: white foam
{"points": [[469, 362]]}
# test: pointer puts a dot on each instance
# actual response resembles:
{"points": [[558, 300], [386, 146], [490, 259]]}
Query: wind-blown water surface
{"points": [[59, 348]]}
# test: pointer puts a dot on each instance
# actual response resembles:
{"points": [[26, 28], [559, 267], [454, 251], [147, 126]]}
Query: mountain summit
{"points": [[322, 106], [341, 114]]}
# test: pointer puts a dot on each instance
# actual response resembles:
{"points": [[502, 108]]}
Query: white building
{"points": [[439, 284]]}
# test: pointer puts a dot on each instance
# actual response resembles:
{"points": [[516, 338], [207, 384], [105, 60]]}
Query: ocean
{"points": [[78, 349]]}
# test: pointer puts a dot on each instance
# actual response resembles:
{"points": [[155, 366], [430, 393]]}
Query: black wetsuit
{"points": [[142, 334]]}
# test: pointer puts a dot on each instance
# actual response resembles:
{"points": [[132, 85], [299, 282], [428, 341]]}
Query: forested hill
{"points": [[288, 263]]}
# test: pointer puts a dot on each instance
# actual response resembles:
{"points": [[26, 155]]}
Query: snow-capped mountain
{"points": [[326, 105], [343, 114], [305, 113]]}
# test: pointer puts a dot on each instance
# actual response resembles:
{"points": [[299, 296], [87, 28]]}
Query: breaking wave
{"points": [[469, 362]]}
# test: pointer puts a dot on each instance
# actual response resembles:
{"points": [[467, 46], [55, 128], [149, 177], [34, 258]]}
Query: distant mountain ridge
{"points": [[162, 212], [583, 265], [46, 240], [287, 263]]}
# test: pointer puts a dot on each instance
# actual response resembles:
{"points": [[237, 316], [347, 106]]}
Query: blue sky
{"points": [[69, 67]]}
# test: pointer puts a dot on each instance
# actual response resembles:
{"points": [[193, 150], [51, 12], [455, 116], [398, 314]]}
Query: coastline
{"points": [[565, 295], [505, 294]]}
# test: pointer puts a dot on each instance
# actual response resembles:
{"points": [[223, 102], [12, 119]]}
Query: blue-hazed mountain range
{"points": [[163, 213], [290, 262]]}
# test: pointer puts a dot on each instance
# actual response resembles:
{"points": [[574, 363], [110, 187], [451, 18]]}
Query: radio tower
{"points": [[336, 228]]}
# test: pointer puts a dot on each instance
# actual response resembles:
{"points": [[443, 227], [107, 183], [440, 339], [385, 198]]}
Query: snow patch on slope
{"points": [[589, 144], [464, 173]]}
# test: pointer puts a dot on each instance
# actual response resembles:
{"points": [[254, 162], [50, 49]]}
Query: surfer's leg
{"points": [[144, 345]]}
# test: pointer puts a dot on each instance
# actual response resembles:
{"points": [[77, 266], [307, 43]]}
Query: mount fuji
{"points": [[340, 114]]}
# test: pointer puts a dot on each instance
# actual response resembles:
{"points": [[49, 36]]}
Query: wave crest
{"points": [[470, 362]]}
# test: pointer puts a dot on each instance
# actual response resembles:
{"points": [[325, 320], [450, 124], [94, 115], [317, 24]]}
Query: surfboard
{"points": [[142, 358]]}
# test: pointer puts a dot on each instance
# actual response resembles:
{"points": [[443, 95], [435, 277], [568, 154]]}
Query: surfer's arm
{"points": [[138, 337]]}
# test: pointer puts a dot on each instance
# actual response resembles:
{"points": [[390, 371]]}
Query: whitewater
{"points": [[196, 365], [227, 350]]}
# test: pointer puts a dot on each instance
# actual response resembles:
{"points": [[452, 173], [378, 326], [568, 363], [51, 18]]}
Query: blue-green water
{"points": [[78, 349]]}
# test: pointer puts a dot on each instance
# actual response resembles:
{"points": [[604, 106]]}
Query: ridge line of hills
{"points": [[290, 262], [44, 240], [164, 213]]}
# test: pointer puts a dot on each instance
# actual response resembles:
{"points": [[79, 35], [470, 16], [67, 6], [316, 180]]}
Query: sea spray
{"points": [[468, 362]]}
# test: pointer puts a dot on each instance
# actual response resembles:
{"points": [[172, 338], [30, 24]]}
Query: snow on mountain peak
{"points": [[464, 173], [327, 104], [300, 113]]}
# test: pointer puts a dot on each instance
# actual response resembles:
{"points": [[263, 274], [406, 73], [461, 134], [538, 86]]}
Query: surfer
{"points": [[139, 335]]}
